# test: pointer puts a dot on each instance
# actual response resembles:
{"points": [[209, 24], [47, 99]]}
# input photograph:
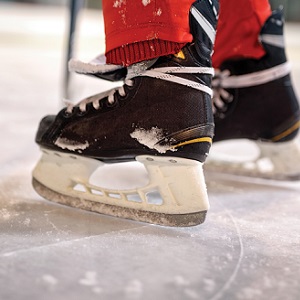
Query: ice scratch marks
{"points": [[231, 279]]}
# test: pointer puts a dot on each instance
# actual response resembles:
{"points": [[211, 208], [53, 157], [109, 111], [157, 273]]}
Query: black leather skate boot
{"points": [[161, 117], [255, 100]]}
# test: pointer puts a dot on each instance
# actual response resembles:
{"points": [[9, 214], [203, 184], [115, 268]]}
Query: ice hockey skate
{"points": [[161, 117], [255, 100]]}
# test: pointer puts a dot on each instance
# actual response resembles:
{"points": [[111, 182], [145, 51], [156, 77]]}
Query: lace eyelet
{"points": [[123, 98], [100, 105], [67, 114], [113, 104], [81, 113], [130, 87]]}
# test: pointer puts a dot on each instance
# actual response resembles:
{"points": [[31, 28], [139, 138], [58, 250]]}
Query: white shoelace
{"points": [[95, 99], [220, 97], [223, 80], [141, 70]]}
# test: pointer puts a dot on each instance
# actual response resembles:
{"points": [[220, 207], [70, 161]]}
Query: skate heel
{"points": [[284, 159], [175, 194]]}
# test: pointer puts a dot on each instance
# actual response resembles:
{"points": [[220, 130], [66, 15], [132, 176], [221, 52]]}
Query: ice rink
{"points": [[248, 248]]}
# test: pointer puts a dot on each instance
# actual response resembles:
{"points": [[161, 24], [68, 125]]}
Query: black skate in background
{"points": [[254, 99]]}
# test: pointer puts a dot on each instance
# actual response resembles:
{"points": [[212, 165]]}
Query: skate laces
{"points": [[143, 69], [166, 73], [224, 80], [96, 99], [221, 98]]}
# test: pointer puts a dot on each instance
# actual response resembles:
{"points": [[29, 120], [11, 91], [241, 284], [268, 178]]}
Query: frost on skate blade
{"points": [[173, 194]]}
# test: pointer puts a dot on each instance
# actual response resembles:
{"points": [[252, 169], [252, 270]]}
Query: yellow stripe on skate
{"points": [[194, 141], [286, 132]]}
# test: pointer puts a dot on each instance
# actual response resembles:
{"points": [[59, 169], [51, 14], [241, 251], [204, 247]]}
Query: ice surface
{"points": [[248, 248]]}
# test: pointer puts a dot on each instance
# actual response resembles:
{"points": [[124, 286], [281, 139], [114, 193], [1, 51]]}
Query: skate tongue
{"points": [[139, 68], [98, 67]]}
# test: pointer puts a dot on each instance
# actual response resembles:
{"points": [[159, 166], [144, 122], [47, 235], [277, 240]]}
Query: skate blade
{"points": [[275, 161], [175, 194]]}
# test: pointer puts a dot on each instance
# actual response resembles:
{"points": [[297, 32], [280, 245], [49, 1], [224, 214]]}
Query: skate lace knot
{"points": [[221, 98]]}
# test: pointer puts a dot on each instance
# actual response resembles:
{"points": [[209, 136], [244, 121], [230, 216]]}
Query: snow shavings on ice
{"points": [[180, 281], [90, 279], [150, 138], [4, 214], [49, 279], [27, 222], [134, 289], [70, 145]]}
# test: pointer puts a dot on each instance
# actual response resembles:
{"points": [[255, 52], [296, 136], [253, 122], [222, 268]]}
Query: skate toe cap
{"points": [[45, 124]]}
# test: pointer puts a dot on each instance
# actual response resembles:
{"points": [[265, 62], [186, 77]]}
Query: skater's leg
{"points": [[254, 96], [141, 30], [239, 25], [161, 117]]}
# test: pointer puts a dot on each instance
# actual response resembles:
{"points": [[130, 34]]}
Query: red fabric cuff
{"points": [[139, 51]]}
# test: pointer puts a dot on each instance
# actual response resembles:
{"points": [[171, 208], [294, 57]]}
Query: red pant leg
{"points": [[143, 29], [239, 25], [159, 27]]}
